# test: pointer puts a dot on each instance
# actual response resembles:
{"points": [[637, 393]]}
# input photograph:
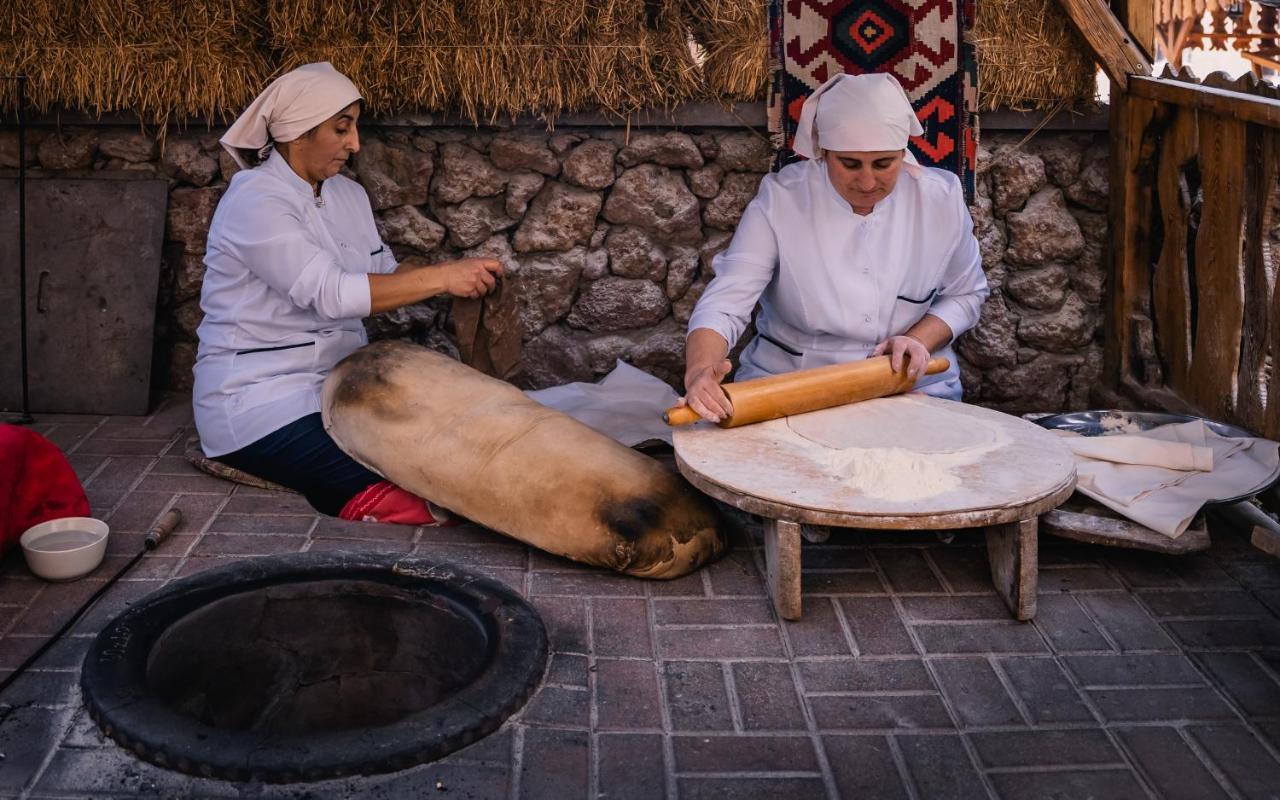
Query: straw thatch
{"points": [[158, 58], [732, 35], [205, 59], [1030, 57]]}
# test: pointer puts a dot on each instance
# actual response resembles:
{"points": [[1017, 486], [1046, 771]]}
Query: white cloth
{"points": [[1166, 498], [833, 284], [626, 405], [280, 271], [861, 113], [290, 106]]}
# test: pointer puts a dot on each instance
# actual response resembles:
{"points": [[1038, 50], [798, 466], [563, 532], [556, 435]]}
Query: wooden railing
{"points": [[1194, 317]]}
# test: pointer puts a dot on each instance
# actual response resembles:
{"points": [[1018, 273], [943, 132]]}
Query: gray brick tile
{"points": [[1254, 574], [835, 582], [1045, 748], [1169, 764], [275, 503], [246, 544], [767, 697], [981, 638], [566, 621], [362, 546], [97, 445], [43, 688], [744, 754], [719, 643], [121, 472], [1105, 784], [1133, 670], [879, 712], [105, 771], [696, 696], [262, 523], [940, 767], [1224, 633], [621, 628], [965, 568], [553, 705], [863, 767], [1241, 757], [865, 675], [1045, 690], [191, 566], [56, 605], [568, 751], [1066, 626], [818, 631], [1203, 603], [454, 779], [586, 584], [735, 574], [186, 484], [567, 670], [1159, 705], [968, 608], [19, 592], [332, 527], [877, 630], [975, 692], [1126, 621], [712, 611], [1245, 681], [907, 570], [627, 695], [1076, 579], [631, 766], [688, 586], [1270, 598], [762, 788], [141, 512], [835, 558], [501, 556]]}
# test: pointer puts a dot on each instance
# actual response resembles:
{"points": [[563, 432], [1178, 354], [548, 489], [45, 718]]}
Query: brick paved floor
{"points": [[1142, 675]]}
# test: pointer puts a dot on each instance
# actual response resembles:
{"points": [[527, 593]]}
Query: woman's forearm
{"points": [[403, 287], [930, 331], [703, 349]]}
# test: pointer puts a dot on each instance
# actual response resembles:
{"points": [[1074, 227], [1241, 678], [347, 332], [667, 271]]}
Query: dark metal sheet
{"points": [[93, 267]]}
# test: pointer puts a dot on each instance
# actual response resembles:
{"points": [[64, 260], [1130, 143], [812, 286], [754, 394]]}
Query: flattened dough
{"points": [[893, 422]]}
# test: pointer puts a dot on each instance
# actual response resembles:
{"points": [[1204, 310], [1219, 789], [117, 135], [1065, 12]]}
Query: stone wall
{"points": [[608, 239]]}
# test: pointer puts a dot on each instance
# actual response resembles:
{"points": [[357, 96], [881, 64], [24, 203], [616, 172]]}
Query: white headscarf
{"points": [[860, 113], [293, 104]]}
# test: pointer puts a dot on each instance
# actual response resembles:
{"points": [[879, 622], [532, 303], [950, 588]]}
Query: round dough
{"points": [[893, 422]]}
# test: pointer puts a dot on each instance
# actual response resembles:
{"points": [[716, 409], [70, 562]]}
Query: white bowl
{"points": [[65, 549]]}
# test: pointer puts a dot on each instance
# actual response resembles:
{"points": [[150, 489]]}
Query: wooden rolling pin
{"points": [[777, 396]]}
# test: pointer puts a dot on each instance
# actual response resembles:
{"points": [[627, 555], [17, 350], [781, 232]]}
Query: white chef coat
{"points": [[832, 284], [285, 289]]}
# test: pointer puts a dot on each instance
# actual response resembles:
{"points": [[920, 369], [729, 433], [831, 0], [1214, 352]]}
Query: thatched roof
{"points": [[484, 58], [205, 59]]}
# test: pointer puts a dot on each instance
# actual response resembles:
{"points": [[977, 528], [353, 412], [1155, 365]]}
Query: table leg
{"points": [[782, 566], [1012, 551]]}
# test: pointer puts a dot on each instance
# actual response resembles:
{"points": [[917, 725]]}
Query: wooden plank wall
{"points": [[1194, 180]]}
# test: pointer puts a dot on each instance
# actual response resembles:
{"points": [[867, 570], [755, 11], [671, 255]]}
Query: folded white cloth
{"points": [[1159, 478], [626, 405]]}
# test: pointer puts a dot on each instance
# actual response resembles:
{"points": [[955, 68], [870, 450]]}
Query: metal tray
{"points": [[1091, 423]]}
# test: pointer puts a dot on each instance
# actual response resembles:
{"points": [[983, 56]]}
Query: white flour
{"points": [[1119, 423], [891, 473]]}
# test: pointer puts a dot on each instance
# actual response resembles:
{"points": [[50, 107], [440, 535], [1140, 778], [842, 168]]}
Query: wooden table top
{"points": [[907, 462]]}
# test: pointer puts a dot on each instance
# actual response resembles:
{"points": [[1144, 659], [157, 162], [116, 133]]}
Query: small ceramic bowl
{"points": [[65, 549]]}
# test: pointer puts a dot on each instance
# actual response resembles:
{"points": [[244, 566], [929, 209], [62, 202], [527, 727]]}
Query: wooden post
{"points": [[782, 566], [1111, 44], [1012, 550], [1139, 18]]}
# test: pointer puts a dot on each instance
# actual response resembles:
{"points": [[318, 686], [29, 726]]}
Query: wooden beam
{"points": [[1111, 44], [1223, 102], [1139, 19]]}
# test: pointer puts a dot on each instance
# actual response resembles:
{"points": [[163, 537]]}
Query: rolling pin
{"points": [[777, 396]]}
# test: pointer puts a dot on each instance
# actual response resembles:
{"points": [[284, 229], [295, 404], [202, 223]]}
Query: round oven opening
{"points": [[313, 666]]}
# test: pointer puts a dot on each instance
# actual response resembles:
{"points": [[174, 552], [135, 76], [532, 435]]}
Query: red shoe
{"points": [[386, 502]]}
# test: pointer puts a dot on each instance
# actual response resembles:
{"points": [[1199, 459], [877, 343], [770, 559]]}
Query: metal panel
{"points": [[93, 267]]}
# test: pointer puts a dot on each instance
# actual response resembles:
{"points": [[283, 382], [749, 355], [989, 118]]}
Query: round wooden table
{"points": [[909, 462]]}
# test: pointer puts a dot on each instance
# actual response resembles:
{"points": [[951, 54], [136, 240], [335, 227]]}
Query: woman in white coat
{"points": [[294, 261], [858, 251]]}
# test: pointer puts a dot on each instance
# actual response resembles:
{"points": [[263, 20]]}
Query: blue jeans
{"points": [[303, 457]]}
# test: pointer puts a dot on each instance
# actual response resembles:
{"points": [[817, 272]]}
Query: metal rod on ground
{"points": [[158, 533]]}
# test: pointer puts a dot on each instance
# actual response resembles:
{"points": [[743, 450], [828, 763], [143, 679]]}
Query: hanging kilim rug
{"points": [[921, 42]]}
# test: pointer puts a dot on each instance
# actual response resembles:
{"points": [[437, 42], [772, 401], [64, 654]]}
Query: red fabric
{"points": [[386, 502], [36, 484]]}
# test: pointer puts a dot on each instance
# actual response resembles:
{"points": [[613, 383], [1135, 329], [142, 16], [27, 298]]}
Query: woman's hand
{"points": [[471, 277], [913, 349], [704, 394]]}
